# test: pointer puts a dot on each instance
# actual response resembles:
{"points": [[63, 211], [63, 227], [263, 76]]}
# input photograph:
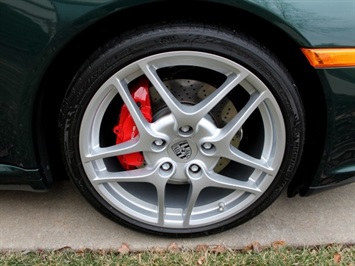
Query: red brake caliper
{"points": [[126, 128]]}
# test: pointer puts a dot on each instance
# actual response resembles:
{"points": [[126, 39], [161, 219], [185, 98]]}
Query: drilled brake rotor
{"points": [[191, 92]]}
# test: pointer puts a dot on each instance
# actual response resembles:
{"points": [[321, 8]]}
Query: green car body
{"points": [[43, 43]]}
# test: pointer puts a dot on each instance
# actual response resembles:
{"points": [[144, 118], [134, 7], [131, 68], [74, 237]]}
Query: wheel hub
{"points": [[182, 151]]}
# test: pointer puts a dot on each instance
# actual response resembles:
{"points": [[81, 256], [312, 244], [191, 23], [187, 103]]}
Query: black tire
{"points": [[234, 176]]}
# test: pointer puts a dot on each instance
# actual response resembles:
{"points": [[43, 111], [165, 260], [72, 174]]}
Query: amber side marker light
{"points": [[330, 57]]}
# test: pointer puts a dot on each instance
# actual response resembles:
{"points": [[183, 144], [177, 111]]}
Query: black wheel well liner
{"points": [[282, 45]]}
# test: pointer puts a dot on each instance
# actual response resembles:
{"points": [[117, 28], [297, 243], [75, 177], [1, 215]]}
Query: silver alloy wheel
{"points": [[174, 192]]}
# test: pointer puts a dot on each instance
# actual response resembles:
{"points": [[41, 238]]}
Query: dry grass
{"points": [[277, 254]]}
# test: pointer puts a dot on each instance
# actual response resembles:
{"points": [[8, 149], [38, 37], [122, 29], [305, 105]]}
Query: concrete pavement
{"points": [[62, 218]]}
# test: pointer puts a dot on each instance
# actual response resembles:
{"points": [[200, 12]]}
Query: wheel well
{"points": [[80, 48]]}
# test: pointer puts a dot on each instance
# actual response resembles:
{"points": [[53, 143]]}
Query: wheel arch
{"points": [[278, 41]]}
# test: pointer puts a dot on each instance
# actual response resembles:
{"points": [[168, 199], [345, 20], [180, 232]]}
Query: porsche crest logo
{"points": [[182, 150]]}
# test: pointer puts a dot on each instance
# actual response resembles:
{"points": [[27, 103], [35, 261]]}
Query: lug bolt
{"points": [[166, 166], [194, 168], [185, 129], [158, 142], [207, 145]]}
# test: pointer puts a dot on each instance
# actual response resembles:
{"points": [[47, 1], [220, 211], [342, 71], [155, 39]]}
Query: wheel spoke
{"points": [[140, 121], [204, 107], [229, 131], [193, 113], [142, 175], [161, 202], [220, 181], [224, 137], [211, 179], [173, 104], [127, 147], [194, 191], [245, 159]]}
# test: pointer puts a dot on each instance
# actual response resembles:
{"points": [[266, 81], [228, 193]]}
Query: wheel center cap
{"points": [[183, 150]]}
